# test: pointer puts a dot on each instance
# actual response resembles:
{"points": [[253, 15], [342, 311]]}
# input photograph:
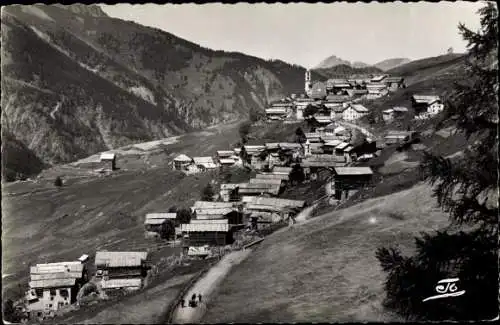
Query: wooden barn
{"points": [[283, 177], [157, 223], [108, 160], [259, 189], [121, 270], [225, 191], [209, 233], [346, 179]]}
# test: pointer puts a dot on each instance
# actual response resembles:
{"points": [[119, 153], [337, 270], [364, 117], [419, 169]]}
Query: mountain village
{"points": [[329, 145], [239, 208]]}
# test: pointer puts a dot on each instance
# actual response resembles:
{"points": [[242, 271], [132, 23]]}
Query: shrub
{"points": [[58, 182], [208, 193]]}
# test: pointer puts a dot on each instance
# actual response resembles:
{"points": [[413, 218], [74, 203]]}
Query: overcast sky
{"points": [[306, 34]]}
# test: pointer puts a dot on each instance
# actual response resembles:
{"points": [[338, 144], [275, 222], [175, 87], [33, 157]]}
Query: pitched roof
{"points": [[121, 283], [182, 158], [353, 171], [225, 153], [337, 98], [289, 145], [342, 146], [282, 170], [259, 188], [52, 283], [214, 212], [120, 259], [323, 119], [213, 205], [258, 207], [272, 176], [73, 266], [323, 161], [360, 108], [376, 86], [339, 109], [379, 78], [107, 156], [428, 99], [276, 110], [332, 143], [154, 221], [265, 181], [227, 161], [205, 227], [228, 186], [206, 162], [273, 201], [272, 145], [205, 221], [254, 149], [388, 111], [400, 109], [53, 276], [161, 215]]}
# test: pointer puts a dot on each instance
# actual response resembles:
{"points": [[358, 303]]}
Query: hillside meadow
{"points": [[325, 270]]}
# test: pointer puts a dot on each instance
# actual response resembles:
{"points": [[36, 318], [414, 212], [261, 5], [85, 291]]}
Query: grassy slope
{"points": [[326, 270], [440, 66]]}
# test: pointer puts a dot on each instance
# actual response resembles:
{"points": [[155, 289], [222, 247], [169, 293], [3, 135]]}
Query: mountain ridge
{"points": [[116, 82]]}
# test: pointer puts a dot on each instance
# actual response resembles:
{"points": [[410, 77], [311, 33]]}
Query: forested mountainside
{"points": [[76, 81]]}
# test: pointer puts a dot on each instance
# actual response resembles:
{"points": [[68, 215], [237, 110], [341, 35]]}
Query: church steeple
{"points": [[308, 83]]}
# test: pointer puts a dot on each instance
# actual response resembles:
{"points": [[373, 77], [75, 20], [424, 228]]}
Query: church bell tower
{"points": [[308, 83]]}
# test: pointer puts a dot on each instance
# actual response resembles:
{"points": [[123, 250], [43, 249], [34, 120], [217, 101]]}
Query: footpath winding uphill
{"points": [[206, 287]]}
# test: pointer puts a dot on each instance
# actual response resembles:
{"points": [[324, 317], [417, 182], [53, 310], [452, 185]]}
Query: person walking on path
{"points": [[199, 297], [182, 303]]}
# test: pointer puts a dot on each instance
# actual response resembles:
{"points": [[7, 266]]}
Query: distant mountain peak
{"points": [[334, 60]]}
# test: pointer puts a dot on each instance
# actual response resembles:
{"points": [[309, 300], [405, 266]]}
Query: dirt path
{"points": [[305, 214], [206, 286]]}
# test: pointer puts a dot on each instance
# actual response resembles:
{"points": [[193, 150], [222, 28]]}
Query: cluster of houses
{"points": [[256, 202], [54, 286], [341, 97]]}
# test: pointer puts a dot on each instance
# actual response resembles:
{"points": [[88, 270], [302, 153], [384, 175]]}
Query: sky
{"points": [[305, 34]]}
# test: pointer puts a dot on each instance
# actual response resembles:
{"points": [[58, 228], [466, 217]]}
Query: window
{"points": [[39, 292], [50, 305], [64, 293], [52, 292]]}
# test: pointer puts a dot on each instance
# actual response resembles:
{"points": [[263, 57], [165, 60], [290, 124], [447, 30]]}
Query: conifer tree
{"points": [[463, 188]]}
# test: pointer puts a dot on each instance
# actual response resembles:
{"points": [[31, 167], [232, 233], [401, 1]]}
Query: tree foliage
{"points": [[244, 130], [208, 193], [245, 157], [310, 110], [234, 195], [58, 182], [462, 187], [183, 215], [9, 312], [300, 136], [297, 175]]}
